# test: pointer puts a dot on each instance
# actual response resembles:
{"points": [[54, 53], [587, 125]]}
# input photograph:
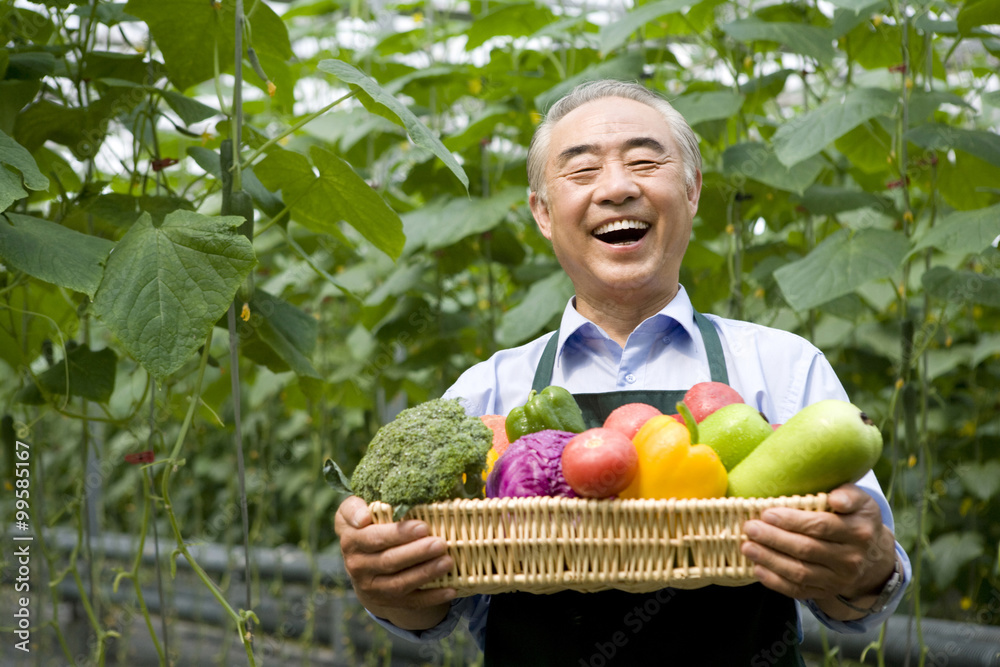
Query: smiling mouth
{"points": [[621, 232]]}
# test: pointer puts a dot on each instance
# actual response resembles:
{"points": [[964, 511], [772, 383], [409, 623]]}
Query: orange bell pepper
{"points": [[671, 467]]}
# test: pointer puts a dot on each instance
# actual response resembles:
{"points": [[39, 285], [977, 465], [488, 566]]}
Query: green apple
{"points": [[734, 431], [822, 446]]}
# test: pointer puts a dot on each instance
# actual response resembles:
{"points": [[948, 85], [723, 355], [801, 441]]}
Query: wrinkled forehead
{"points": [[606, 124]]}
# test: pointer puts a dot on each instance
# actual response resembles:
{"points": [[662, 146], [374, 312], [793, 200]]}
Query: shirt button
{"points": [[630, 378], [666, 340]]}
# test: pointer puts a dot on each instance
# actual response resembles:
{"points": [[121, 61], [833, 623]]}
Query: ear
{"points": [[694, 193], [540, 210]]}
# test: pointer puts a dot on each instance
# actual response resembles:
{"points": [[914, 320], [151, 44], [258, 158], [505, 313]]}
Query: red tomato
{"points": [[599, 462], [630, 417]]}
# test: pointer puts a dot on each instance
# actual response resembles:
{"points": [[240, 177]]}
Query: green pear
{"points": [[822, 446], [734, 431]]}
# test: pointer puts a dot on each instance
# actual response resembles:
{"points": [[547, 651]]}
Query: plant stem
{"points": [[308, 118]]}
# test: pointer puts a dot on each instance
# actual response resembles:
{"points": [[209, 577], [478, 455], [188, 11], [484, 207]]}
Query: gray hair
{"points": [[595, 90]]}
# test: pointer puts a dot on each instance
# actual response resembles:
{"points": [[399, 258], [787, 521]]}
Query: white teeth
{"points": [[621, 224]]}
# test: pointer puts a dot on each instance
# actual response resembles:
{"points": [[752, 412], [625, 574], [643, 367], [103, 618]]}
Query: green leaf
{"points": [[977, 13], [829, 200], [808, 40], [755, 161], [940, 137], [90, 375], [53, 253], [17, 156], [418, 132], [544, 300], [628, 67], [190, 32], [337, 193], [438, 227], [190, 110], [615, 33], [963, 232], [710, 105], [165, 286], [517, 19], [962, 286], [279, 335], [840, 264], [950, 553], [982, 480], [336, 478], [808, 134]]}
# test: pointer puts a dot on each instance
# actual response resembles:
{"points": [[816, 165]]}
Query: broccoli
{"points": [[428, 453]]}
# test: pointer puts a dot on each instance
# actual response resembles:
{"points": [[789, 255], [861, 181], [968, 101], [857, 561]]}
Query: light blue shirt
{"points": [[774, 370]]}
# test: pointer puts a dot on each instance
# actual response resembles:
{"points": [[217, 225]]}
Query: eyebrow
{"points": [[581, 149]]}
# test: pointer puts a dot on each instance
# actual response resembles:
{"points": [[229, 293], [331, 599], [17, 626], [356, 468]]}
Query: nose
{"points": [[616, 184]]}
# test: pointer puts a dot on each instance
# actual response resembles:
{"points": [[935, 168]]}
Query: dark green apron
{"points": [[714, 626]]}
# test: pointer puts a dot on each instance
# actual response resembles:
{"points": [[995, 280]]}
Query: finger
{"points": [[378, 538], [824, 526], [355, 512], [799, 545], [787, 575]]}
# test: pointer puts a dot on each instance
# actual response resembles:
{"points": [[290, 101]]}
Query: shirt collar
{"points": [[679, 311]]}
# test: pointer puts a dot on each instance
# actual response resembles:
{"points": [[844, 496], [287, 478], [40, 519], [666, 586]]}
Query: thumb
{"points": [[355, 512], [847, 499]]}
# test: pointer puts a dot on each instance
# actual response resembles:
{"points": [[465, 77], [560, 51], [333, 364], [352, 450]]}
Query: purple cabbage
{"points": [[531, 466]]}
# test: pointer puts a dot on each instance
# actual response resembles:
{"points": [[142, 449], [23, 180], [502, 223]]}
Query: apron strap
{"points": [[713, 349]]}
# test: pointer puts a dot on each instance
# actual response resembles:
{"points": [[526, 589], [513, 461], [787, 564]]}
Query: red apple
{"points": [[705, 398], [599, 462], [629, 418]]}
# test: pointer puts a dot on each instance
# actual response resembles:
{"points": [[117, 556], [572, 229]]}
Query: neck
{"points": [[619, 315]]}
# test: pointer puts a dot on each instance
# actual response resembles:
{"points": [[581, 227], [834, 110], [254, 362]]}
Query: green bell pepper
{"points": [[552, 408]]}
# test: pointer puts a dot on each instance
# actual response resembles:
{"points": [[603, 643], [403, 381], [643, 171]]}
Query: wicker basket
{"points": [[545, 545]]}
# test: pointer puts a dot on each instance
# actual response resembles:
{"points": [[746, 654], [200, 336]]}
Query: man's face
{"points": [[617, 210]]}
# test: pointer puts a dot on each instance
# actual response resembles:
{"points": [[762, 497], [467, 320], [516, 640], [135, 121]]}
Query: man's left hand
{"points": [[818, 555]]}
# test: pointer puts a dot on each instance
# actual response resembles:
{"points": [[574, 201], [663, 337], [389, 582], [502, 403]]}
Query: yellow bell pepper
{"points": [[671, 467]]}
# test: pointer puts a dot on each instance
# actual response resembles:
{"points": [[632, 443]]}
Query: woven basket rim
{"points": [[812, 501]]}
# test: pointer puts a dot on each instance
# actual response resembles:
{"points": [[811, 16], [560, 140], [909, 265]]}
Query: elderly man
{"points": [[615, 176]]}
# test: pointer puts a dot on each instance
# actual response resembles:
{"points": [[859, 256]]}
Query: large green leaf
{"points": [[951, 552], [808, 134], [440, 226], [840, 264], [17, 156], [83, 372], [808, 40], [53, 253], [544, 300], [189, 33], [975, 13], [708, 105], [940, 137], [166, 285], [279, 335], [628, 67], [962, 286], [963, 231], [320, 202], [981, 479], [516, 19], [615, 33], [418, 132], [755, 161]]}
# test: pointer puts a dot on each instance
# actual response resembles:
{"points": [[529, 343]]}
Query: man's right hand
{"points": [[388, 563]]}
